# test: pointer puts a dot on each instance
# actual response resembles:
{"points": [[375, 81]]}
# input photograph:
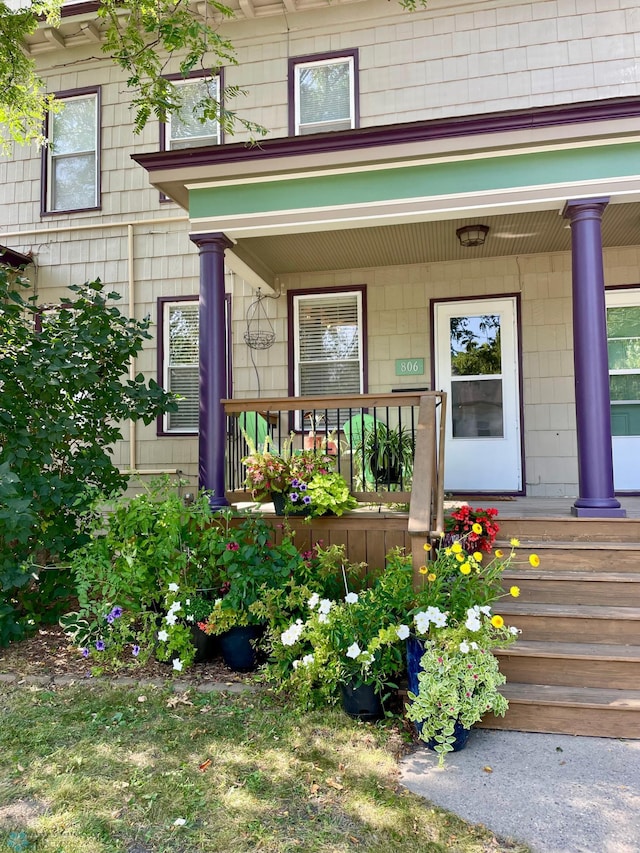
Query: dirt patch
{"points": [[22, 814]]}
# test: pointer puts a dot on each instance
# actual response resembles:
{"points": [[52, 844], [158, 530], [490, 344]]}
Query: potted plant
{"points": [[389, 451], [453, 676], [475, 528], [300, 482]]}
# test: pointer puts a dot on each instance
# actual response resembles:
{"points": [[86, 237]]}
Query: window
{"points": [[72, 156], [323, 92], [623, 333], [184, 129], [179, 361], [328, 342]]}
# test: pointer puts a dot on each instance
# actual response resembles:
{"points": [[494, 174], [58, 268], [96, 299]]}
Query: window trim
{"points": [[162, 304], [45, 168], [322, 58], [292, 329]]}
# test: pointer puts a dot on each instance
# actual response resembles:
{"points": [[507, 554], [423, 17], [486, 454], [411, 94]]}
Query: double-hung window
{"points": [[328, 342], [72, 156], [179, 360], [323, 92], [183, 129]]}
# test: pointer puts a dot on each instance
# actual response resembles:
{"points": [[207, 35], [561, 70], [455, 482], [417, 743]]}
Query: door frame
{"points": [[517, 298]]}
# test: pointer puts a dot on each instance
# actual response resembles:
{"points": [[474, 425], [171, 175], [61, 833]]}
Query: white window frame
{"points": [[203, 140], [52, 157], [299, 299], [319, 127]]}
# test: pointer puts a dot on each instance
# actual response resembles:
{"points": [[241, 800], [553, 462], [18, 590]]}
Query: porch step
{"points": [[569, 710], [571, 623], [575, 587], [581, 556], [571, 664], [570, 529]]}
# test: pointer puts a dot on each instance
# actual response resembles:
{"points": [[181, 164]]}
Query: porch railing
{"points": [[351, 429]]}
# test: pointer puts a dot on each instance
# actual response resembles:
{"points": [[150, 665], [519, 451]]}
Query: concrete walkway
{"points": [[556, 793]]}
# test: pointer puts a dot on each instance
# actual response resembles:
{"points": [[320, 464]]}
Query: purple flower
{"points": [[306, 499], [84, 653], [110, 618], [135, 651], [293, 497], [100, 646], [295, 483], [116, 612], [302, 486]]}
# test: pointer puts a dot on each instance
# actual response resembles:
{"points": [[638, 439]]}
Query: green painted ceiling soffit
{"points": [[435, 179]]}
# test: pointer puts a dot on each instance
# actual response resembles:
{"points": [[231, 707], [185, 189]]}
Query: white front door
{"points": [[476, 363], [623, 333]]}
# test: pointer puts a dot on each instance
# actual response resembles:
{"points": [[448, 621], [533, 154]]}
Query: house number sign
{"points": [[409, 366]]}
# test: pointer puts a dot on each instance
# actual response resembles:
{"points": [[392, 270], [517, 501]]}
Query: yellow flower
{"points": [[497, 621], [515, 543], [477, 556], [465, 568], [456, 547], [460, 558], [431, 577], [514, 591], [477, 528], [447, 551], [534, 560], [427, 546], [423, 570], [499, 553]]}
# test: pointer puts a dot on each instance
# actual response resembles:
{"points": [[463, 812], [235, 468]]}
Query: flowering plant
{"points": [[306, 478], [476, 528]]}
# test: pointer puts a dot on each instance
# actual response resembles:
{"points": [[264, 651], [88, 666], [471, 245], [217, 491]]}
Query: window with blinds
{"points": [[328, 346], [184, 129], [181, 370], [325, 95]]}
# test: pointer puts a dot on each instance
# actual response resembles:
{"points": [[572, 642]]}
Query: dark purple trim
{"points": [[320, 57], [162, 301], [44, 160], [306, 291], [432, 335], [11, 258], [396, 134], [591, 362], [68, 11]]}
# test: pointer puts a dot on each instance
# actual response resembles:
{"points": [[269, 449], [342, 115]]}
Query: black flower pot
{"points": [[279, 502], [206, 645], [237, 646], [362, 702]]}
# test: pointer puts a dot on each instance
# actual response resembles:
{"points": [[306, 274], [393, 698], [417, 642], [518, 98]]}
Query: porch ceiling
{"points": [[527, 233]]}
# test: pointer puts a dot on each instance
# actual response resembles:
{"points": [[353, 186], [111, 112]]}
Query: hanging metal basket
{"points": [[259, 339], [259, 333]]}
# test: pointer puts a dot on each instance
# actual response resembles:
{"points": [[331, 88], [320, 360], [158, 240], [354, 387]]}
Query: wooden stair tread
{"points": [[577, 611], [589, 651], [571, 575], [569, 545], [586, 697]]}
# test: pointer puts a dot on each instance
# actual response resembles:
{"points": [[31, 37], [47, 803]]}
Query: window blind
{"points": [[325, 100], [183, 366], [185, 130]]}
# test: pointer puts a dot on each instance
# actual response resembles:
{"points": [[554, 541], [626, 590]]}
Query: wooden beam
{"points": [[248, 8], [92, 33], [54, 38]]}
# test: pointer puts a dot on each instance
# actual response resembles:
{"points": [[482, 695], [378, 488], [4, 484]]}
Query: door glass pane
{"points": [[476, 408], [623, 332], [475, 345]]}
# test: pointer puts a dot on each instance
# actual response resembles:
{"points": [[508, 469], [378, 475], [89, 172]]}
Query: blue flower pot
{"points": [[415, 651]]}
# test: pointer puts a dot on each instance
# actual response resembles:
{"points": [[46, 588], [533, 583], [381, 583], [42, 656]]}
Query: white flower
{"points": [[179, 821], [171, 618], [438, 618], [296, 664], [291, 636], [323, 618], [189, 618], [175, 607], [173, 587], [486, 610], [354, 651], [307, 659], [403, 632], [187, 601], [177, 664], [366, 658], [351, 597], [163, 636], [325, 605], [464, 647], [313, 601], [422, 622], [514, 630], [474, 646]]}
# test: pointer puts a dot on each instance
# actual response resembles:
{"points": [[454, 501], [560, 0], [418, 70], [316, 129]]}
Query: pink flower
{"points": [[232, 546]]}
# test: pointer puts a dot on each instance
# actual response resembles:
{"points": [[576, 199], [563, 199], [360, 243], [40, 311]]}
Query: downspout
{"points": [[132, 362]]}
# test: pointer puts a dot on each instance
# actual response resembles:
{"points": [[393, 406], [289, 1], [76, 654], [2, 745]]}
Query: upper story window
{"points": [[328, 339], [72, 156], [184, 129], [323, 93]]}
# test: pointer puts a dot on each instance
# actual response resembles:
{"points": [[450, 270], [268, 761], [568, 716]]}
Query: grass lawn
{"points": [[93, 768]]}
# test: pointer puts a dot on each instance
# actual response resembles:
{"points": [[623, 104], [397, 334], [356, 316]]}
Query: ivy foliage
{"points": [[64, 392]]}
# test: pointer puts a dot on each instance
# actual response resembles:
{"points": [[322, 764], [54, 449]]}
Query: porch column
{"points": [[595, 457], [213, 365]]}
